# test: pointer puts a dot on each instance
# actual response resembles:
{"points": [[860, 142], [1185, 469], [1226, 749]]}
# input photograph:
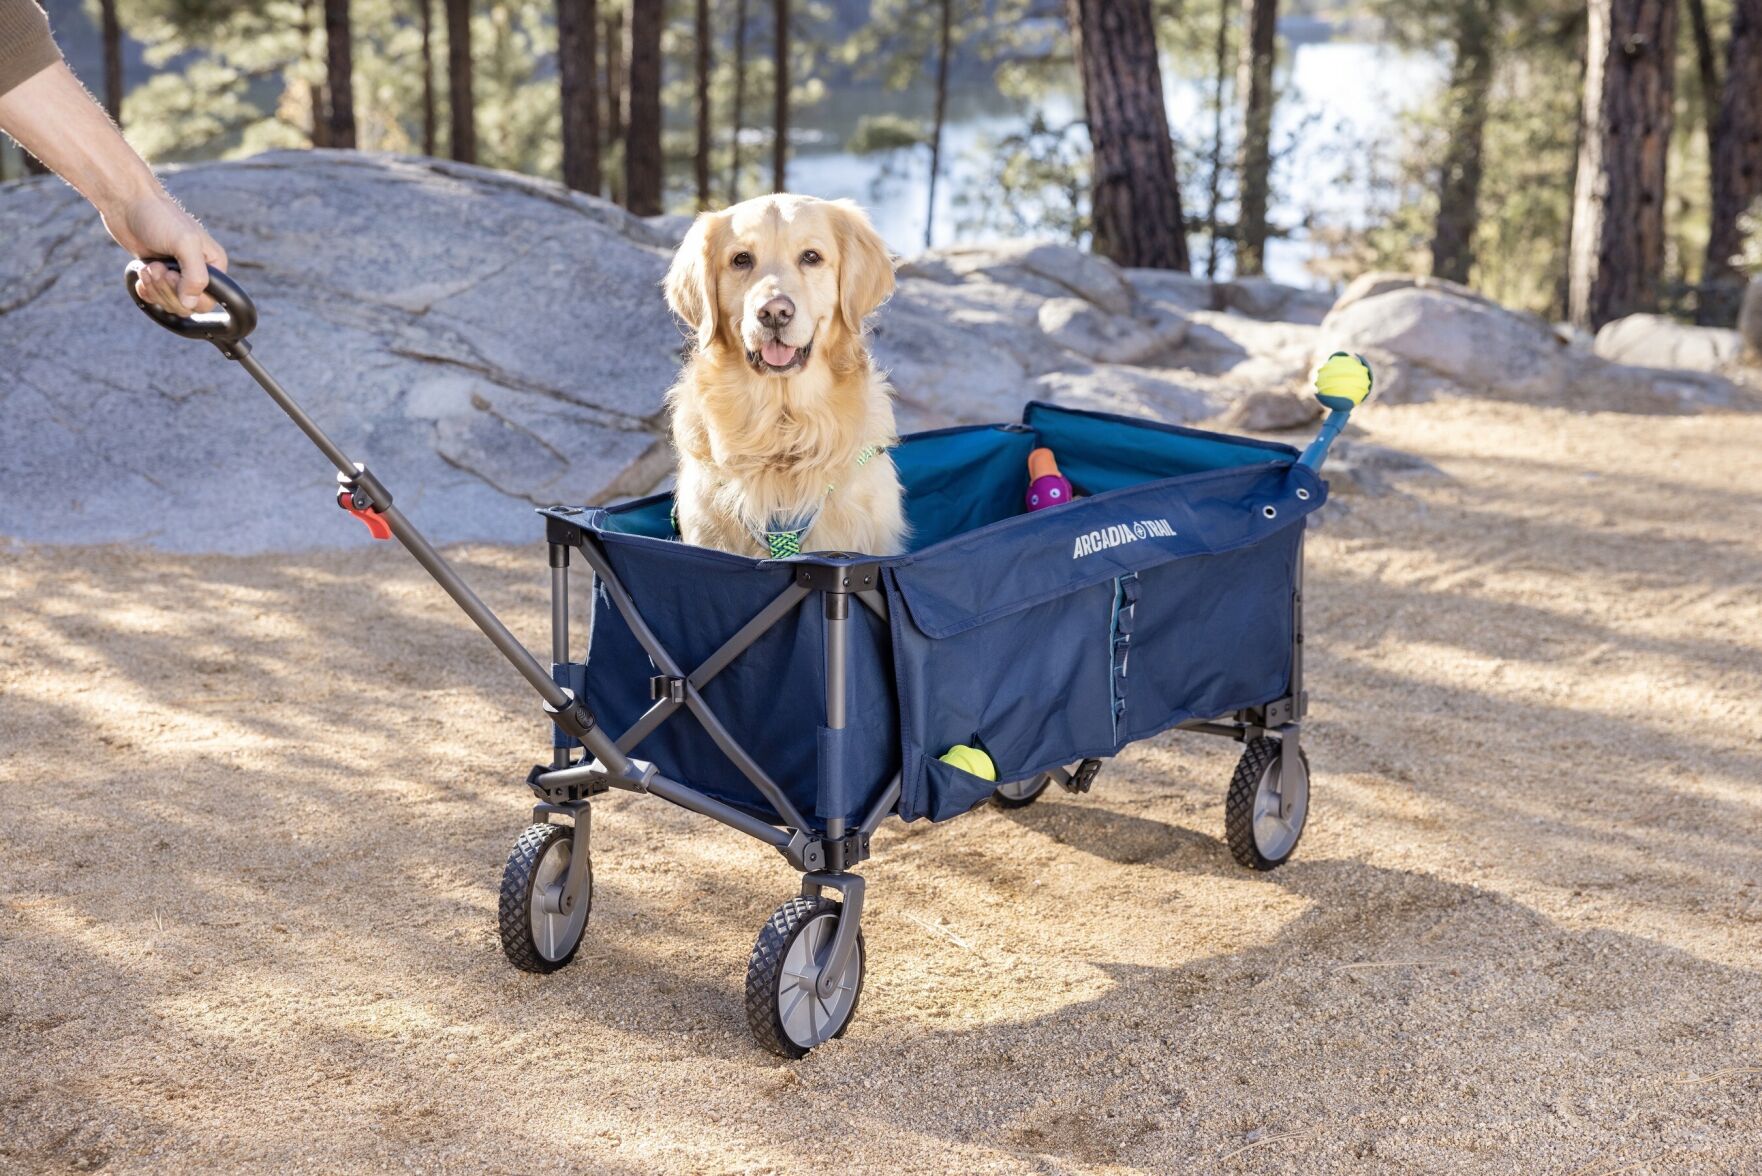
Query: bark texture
{"points": [[463, 140], [1618, 216], [1737, 156], [1459, 179], [780, 95], [1135, 197], [738, 116], [940, 117], [642, 134], [111, 31], [339, 74], [578, 82], [702, 160], [1254, 81], [425, 18]]}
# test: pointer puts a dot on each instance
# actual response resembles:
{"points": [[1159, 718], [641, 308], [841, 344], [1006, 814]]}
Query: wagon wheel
{"points": [[787, 1015], [1022, 793], [1259, 836], [537, 934]]}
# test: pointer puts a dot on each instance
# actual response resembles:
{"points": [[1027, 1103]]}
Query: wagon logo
{"points": [[1114, 536]]}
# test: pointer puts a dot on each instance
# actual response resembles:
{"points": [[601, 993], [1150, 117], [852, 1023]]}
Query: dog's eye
{"points": [[742, 261], [812, 257]]}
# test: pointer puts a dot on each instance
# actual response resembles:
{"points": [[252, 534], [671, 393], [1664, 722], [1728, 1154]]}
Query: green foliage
{"points": [[880, 133]]}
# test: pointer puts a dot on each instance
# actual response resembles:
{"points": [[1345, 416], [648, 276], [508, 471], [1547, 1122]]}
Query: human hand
{"points": [[152, 225]]}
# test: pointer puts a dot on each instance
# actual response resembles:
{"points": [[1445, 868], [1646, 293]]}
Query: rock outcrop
{"points": [[489, 343]]}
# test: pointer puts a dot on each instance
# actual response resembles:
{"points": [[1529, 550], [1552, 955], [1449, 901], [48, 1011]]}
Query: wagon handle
{"points": [[226, 327], [1341, 384], [366, 496]]}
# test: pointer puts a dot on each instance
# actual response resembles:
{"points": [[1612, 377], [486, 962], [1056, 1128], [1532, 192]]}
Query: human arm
{"points": [[52, 117]]}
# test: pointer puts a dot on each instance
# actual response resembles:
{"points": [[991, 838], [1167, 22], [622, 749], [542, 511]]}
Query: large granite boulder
{"points": [[486, 343], [1427, 339], [1659, 341]]}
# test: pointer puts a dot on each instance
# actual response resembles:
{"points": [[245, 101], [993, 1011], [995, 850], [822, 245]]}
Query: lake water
{"points": [[1335, 99]]}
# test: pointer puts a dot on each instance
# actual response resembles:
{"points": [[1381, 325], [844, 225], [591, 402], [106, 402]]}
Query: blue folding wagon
{"points": [[803, 700]]}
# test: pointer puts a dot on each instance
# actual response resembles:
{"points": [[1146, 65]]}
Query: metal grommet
{"points": [[1271, 512], [1302, 494]]}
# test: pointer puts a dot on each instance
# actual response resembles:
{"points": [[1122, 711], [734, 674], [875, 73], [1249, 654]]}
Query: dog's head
{"points": [[776, 279]]}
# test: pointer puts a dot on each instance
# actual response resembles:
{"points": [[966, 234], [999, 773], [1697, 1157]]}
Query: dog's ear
{"points": [[865, 268], [691, 292]]}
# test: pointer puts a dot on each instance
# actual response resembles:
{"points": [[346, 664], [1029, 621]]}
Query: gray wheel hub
{"points": [[806, 1016], [1275, 829], [554, 930], [1024, 789]]}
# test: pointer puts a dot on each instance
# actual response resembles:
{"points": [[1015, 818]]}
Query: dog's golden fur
{"points": [[756, 442]]}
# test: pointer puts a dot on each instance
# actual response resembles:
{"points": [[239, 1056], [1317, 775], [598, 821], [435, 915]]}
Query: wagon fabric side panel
{"points": [[1067, 633], [771, 698]]}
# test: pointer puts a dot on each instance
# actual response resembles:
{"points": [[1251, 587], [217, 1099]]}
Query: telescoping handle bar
{"points": [[367, 497]]}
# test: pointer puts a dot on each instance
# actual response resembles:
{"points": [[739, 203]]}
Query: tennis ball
{"points": [[971, 761], [1343, 381]]}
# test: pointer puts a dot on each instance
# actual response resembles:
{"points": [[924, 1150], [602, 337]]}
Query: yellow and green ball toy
{"points": [[970, 760], [1343, 381]]}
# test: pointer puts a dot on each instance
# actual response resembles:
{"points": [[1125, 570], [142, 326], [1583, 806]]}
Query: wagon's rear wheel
{"points": [[1022, 793], [538, 934], [788, 1014], [1262, 829]]}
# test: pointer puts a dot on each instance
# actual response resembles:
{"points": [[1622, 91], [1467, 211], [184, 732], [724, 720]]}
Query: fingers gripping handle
{"points": [[1341, 384], [226, 327]]}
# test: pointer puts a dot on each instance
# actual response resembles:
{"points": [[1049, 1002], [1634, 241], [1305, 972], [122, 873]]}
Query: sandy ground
{"points": [[255, 814]]}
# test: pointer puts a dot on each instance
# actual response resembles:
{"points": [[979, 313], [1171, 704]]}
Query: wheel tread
{"points": [[514, 908], [1257, 756], [769, 950]]}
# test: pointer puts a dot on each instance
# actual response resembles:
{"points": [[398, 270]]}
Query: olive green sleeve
{"points": [[25, 44]]}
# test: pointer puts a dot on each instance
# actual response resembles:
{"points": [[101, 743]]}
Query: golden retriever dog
{"points": [[780, 420]]}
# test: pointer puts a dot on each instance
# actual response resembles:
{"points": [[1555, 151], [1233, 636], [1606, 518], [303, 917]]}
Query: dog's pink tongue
{"points": [[777, 353]]}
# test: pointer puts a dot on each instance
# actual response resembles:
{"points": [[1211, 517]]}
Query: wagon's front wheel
{"points": [[541, 927], [785, 1006], [1265, 813], [1022, 793]]}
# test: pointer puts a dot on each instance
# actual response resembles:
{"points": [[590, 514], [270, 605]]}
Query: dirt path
{"points": [[255, 813]]}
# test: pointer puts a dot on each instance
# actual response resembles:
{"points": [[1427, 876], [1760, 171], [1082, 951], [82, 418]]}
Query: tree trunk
{"points": [[1704, 64], [315, 93], [1618, 222], [578, 64], [112, 34], [339, 74], [1135, 198], [1737, 156], [703, 103], [780, 95], [1254, 80], [425, 12], [939, 118], [1214, 184], [463, 139], [642, 137], [739, 101], [1459, 182]]}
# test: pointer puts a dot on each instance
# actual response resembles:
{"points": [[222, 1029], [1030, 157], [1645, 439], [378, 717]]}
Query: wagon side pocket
{"points": [[1032, 687]]}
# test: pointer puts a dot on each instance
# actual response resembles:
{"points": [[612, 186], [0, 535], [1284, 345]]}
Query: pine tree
{"points": [[1135, 197], [702, 58], [339, 78], [780, 94], [643, 162], [461, 98], [1618, 216], [1255, 84], [1736, 158], [578, 89], [111, 31], [1459, 182]]}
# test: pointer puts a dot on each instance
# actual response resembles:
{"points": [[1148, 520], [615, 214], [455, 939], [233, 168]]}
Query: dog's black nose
{"points": [[777, 313]]}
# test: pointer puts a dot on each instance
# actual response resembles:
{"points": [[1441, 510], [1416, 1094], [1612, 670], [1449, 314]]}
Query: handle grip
{"points": [[236, 317]]}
